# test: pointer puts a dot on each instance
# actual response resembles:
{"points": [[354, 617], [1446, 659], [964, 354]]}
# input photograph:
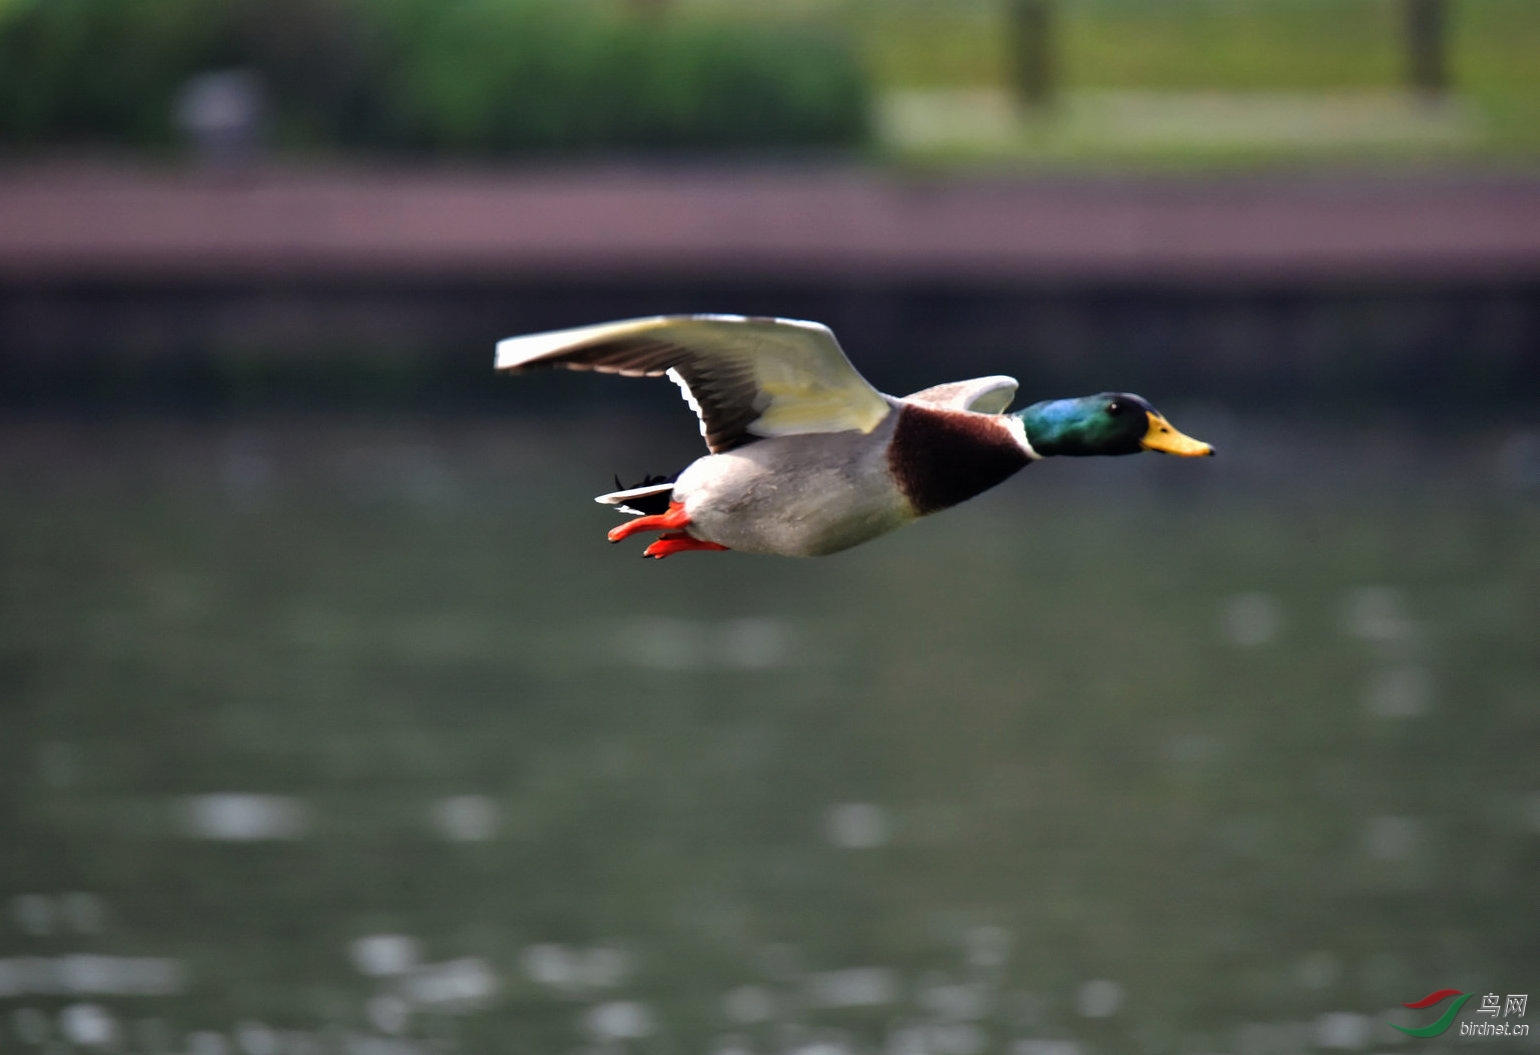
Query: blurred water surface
{"points": [[351, 735]]}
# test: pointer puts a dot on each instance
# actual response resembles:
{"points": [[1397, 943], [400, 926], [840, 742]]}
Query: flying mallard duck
{"points": [[807, 458]]}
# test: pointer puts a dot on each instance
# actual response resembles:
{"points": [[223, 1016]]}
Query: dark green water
{"points": [[357, 737]]}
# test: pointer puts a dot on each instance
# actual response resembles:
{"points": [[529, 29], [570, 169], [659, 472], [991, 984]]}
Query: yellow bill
{"points": [[1162, 437]]}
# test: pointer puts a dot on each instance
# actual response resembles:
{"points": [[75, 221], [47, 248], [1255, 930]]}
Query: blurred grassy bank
{"points": [[1198, 82], [1186, 82], [1196, 45], [468, 79]]}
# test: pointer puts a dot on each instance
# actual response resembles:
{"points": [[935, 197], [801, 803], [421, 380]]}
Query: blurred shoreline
{"points": [[137, 224], [128, 287]]}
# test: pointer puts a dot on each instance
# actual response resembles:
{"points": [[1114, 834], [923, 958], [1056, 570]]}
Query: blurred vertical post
{"points": [[1427, 25], [1030, 35]]}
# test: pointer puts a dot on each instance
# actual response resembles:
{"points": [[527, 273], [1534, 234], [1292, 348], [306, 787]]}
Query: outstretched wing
{"points": [[744, 377], [982, 395]]}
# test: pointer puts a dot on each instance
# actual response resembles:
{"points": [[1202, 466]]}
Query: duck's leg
{"points": [[673, 520], [677, 542]]}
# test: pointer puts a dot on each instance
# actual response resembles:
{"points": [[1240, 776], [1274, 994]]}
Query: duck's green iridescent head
{"points": [[1109, 423]]}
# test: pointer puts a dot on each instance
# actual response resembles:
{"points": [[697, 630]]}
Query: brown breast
{"points": [[942, 457]]}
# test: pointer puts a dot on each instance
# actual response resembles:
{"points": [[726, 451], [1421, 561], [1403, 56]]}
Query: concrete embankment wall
{"points": [[258, 286]]}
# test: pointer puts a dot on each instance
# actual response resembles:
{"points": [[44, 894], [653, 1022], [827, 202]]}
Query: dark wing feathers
{"points": [[744, 377], [723, 394]]}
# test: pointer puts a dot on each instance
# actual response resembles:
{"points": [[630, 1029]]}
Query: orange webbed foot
{"points": [[673, 520], [678, 542]]}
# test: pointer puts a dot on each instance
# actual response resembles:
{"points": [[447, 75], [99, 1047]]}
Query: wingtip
{"points": [[505, 357]]}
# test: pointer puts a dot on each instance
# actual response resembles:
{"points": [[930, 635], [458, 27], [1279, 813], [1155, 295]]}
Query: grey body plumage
{"points": [[799, 496]]}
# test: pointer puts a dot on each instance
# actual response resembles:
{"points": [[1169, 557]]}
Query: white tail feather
{"points": [[618, 499]]}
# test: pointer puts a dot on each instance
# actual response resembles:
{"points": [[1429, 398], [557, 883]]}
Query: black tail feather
{"points": [[648, 505]]}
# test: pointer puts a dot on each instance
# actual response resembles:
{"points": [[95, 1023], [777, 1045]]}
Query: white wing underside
{"points": [[742, 376]]}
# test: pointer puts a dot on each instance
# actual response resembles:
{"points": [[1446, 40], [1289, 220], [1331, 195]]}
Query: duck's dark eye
{"points": [[1115, 408]]}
